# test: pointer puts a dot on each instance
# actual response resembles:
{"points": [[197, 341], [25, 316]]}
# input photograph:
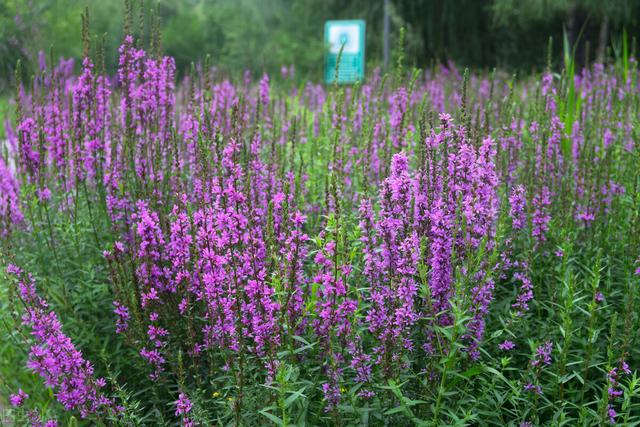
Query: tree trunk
{"points": [[603, 38], [571, 26]]}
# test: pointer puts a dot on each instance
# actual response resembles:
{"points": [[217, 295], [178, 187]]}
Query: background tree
{"points": [[263, 35]]}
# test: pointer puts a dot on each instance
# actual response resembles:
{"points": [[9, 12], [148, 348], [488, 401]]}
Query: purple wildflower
{"points": [[533, 388], [54, 357], [122, 321], [506, 345], [517, 206], [183, 404], [543, 354], [18, 399], [526, 291], [541, 217]]}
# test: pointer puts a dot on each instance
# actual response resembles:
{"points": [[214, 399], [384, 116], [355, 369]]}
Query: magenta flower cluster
{"points": [[345, 242], [54, 357]]}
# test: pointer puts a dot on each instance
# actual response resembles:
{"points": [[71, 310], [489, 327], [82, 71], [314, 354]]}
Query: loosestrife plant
{"points": [[420, 250]]}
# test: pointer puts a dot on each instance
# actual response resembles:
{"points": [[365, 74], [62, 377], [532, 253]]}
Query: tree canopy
{"points": [[264, 35]]}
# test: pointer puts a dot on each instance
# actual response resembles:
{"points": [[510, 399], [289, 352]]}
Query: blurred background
{"points": [[264, 35]]}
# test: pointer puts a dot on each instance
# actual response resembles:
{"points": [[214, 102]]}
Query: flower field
{"points": [[425, 248]]}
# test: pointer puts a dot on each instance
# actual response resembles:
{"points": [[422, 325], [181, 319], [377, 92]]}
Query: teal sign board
{"points": [[348, 36]]}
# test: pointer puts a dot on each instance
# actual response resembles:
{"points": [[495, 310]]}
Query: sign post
{"points": [[348, 36]]}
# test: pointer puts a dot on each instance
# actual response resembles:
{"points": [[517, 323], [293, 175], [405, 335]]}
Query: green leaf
{"points": [[395, 410], [294, 396], [273, 418]]}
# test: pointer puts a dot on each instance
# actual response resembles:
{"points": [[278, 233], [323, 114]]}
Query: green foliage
{"points": [[262, 35], [63, 249]]}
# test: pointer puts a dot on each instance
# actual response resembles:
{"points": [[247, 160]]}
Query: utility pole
{"points": [[385, 37]]}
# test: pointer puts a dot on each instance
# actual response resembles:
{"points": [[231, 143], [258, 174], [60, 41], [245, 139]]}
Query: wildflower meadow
{"points": [[426, 247]]}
